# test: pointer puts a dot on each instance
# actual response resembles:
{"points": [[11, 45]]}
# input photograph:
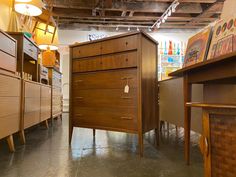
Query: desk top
{"points": [[203, 64]]}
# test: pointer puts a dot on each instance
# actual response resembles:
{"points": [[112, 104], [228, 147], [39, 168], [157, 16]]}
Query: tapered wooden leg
{"points": [[46, 124], [157, 136], [140, 137], [10, 143], [187, 118], [94, 132], [22, 136], [70, 134]]}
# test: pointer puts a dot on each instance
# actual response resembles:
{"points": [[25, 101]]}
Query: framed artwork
{"points": [[197, 47], [223, 39]]}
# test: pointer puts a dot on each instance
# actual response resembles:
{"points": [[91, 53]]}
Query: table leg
{"points": [[187, 118]]}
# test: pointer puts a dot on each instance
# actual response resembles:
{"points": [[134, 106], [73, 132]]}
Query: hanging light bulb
{"points": [[158, 24], [128, 28], [169, 13], [117, 28], [138, 29], [149, 29], [163, 20], [29, 8]]}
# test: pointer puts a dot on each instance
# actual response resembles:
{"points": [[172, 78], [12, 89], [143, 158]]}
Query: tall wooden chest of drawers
{"points": [[113, 85]]}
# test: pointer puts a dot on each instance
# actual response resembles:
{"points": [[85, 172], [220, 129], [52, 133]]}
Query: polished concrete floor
{"points": [[110, 154]]}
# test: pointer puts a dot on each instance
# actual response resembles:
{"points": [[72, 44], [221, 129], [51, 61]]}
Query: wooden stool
{"points": [[218, 140]]}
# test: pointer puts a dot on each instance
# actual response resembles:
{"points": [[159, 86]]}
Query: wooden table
{"points": [[221, 70]]}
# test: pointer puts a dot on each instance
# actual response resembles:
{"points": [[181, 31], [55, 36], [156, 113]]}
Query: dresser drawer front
{"points": [[105, 79], [120, 44], [9, 106], [31, 119], [7, 44], [30, 49], [9, 125], [32, 90], [87, 64], [7, 62], [9, 86], [111, 98], [117, 61], [116, 118], [32, 104], [86, 50], [46, 92], [45, 111]]}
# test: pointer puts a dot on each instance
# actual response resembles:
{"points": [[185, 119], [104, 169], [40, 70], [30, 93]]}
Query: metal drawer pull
{"points": [[79, 115], [126, 97], [126, 118], [78, 81], [126, 78]]}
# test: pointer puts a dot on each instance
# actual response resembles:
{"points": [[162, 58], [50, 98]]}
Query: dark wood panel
{"points": [[120, 44], [106, 117], [109, 98], [105, 80], [87, 50]]}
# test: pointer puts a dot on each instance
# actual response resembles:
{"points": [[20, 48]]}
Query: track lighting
{"points": [[166, 14]]}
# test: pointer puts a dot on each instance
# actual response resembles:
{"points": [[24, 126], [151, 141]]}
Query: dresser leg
{"points": [[94, 132], [10, 143], [157, 136], [70, 134], [46, 124], [140, 136], [22, 136]]}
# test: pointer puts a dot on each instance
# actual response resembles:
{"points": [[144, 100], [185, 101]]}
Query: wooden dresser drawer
{"points": [[105, 79], [105, 98], [7, 44], [32, 104], [45, 111], [106, 118], [86, 50], [120, 44], [7, 62], [31, 118], [9, 106], [30, 49], [32, 89], [46, 91], [87, 64], [9, 86], [116, 61], [9, 125]]}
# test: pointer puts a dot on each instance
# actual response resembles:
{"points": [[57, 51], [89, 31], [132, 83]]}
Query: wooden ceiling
{"points": [[109, 14]]}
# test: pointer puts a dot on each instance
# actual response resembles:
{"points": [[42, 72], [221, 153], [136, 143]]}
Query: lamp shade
{"points": [[31, 8], [46, 36]]}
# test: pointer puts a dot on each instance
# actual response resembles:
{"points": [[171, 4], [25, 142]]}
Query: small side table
{"points": [[218, 140]]}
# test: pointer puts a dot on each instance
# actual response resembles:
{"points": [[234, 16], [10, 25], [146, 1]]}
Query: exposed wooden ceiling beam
{"points": [[136, 7], [217, 6]]}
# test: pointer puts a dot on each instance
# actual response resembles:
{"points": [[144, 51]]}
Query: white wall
{"points": [[68, 37]]}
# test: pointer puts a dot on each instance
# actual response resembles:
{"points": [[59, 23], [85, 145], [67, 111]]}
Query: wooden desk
{"points": [[221, 70]]}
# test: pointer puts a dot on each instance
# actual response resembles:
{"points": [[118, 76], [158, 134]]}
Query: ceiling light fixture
{"points": [[117, 28], [128, 28], [138, 29], [166, 14]]}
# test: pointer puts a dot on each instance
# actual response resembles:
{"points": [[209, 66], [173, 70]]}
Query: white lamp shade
{"points": [[31, 8]]}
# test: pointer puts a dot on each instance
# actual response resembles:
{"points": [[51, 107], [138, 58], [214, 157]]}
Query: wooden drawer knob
{"points": [[126, 43]]}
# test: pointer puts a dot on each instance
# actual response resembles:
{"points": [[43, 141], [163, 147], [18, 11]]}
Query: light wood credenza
{"points": [[114, 85]]}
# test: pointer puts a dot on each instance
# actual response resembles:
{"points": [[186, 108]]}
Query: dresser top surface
{"points": [[115, 37]]}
